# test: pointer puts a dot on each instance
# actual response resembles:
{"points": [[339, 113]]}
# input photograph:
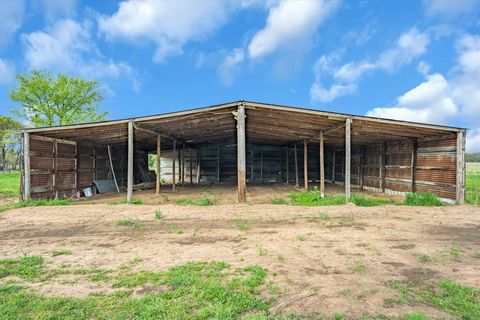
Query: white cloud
{"points": [[430, 101], [288, 23], [58, 9], [320, 94], [423, 68], [67, 47], [449, 9], [167, 24], [7, 72], [440, 100], [229, 65], [11, 16], [409, 46]]}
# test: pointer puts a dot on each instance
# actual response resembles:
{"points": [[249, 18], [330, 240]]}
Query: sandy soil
{"points": [[309, 258]]}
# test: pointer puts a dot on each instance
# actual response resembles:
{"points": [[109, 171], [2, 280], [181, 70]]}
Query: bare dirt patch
{"points": [[314, 262]]}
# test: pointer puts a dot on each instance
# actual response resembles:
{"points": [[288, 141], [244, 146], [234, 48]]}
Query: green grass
{"points": [[27, 267], [10, 184], [472, 186], [135, 200], [241, 225], [128, 223], [189, 291], [313, 198], [368, 202], [63, 252], [422, 199], [279, 201], [358, 266], [35, 203], [158, 214], [204, 201], [460, 300]]}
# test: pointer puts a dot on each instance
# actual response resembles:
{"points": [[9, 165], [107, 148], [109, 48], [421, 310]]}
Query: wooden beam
{"points": [[26, 166], [191, 166], [198, 165], [130, 163], [77, 189], [413, 166], [182, 155], [383, 173], [241, 156], [159, 154], [362, 164], [348, 159], [251, 168], [287, 149], [261, 164], [322, 167], [333, 166], [305, 164], [156, 131], [55, 169], [174, 159], [296, 164], [218, 163], [460, 185], [109, 150]]}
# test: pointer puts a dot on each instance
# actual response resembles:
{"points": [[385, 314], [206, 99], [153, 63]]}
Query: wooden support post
{"points": [[55, 168], [282, 176], [77, 189], [251, 168], [218, 163], [348, 159], [322, 167], [191, 166], [287, 164], [241, 156], [182, 165], [383, 173], [109, 150], [198, 165], [460, 185], [26, 166], [174, 159], [261, 165], [305, 164], [333, 166], [362, 164], [296, 165], [413, 166], [130, 163], [159, 173], [94, 171]]}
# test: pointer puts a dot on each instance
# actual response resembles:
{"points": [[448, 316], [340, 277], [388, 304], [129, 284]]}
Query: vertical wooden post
{"points": [[159, 173], [109, 150], [77, 189], [198, 165], [218, 163], [241, 156], [182, 172], [348, 159], [26, 165], [261, 164], [322, 167], [383, 173], [191, 165], [460, 185], [305, 164], [174, 159], [333, 166], [94, 170], [413, 166], [287, 164], [55, 168], [296, 164], [362, 164], [282, 176], [130, 163], [251, 168]]}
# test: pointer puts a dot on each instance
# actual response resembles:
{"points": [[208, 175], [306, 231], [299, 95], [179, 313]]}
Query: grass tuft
{"points": [[129, 223], [279, 201], [422, 199], [358, 266], [27, 267], [158, 214], [35, 203], [63, 252], [204, 201], [242, 225]]}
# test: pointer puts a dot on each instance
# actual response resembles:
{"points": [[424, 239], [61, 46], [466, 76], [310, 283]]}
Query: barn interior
{"points": [[245, 144]]}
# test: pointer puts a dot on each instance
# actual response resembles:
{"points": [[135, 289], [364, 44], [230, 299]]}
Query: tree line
{"points": [[472, 157], [45, 100]]}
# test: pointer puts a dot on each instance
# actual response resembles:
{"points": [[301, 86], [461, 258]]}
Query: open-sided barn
{"points": [[246, 143]]}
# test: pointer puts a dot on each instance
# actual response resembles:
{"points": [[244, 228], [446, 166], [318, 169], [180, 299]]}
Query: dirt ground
{"points": [[311, 258]]}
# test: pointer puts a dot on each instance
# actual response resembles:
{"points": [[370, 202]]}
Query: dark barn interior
{"points": [[246, 143]]}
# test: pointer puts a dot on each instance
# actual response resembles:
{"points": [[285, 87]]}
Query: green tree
{"points": [[60, 100], [9, 141]]}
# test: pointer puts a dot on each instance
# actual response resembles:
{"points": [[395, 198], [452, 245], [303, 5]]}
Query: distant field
{"points": [[473, 183], [10, 184]]}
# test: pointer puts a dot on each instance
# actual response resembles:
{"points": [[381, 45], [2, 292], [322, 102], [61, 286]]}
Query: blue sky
{"points": [[413, 60]]}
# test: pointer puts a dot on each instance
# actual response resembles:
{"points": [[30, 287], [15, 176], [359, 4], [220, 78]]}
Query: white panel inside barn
{"points": [[246, 143]]}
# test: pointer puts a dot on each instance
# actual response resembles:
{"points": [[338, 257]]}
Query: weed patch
{"points": [[158, 214], [27, 267], [35, 203], [279, 201], [422, 199], [358, 266], [64, 252], [241, 225], [129, 223], [204, 201]]}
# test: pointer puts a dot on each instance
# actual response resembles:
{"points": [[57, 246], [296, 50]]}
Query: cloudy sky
{"points": [[413, 60]]}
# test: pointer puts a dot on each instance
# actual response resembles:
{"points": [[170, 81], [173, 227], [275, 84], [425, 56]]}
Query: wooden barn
{"points": [[246, 143]]}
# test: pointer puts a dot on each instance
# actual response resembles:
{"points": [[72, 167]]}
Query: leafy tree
{"points": [[472, 157], [48, 101], [9, 141]]}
